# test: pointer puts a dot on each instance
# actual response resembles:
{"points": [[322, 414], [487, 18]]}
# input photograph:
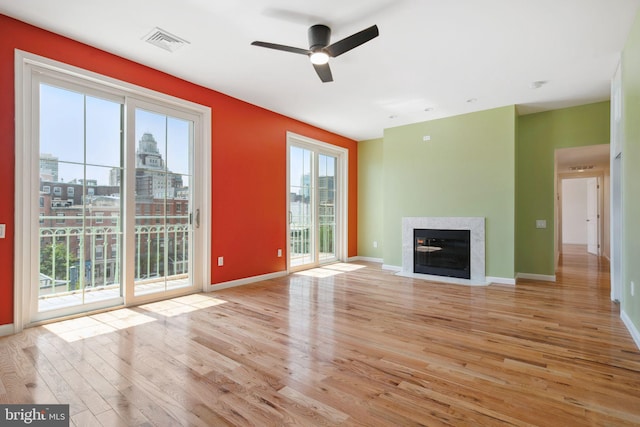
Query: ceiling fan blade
{"points": [[355, 40], [324, 72], [282, 47]]}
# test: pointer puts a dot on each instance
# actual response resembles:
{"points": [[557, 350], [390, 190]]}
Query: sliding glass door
{"points": [[163, 217], [314, 193], [113, 199], [80, 206]]}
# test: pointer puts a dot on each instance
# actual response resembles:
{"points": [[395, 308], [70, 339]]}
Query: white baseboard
{"points": [[391, 267], [541, 277], [635, 333], [366, 259], [7, 330], [246, 281], [444, 279], [501, 280]]}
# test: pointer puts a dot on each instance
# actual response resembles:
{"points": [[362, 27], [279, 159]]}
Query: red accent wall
{"points": [[248, 159]]}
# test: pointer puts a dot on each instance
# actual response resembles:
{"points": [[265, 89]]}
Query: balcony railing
{"points": [[74, 258]]}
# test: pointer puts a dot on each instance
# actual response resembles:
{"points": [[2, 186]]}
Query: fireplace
{"points": [[442, 252], [475, 272]]}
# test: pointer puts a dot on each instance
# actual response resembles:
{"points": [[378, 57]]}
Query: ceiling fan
{"points": [[320, 50]]}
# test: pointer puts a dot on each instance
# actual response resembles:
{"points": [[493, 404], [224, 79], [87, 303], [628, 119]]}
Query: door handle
{"points": [[197, 218]]}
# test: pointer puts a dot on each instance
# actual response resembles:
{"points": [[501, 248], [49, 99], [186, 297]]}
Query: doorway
{"points": [[316, 201], [581, 225], [582, 202]]}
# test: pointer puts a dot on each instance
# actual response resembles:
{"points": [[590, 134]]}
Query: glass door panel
{"points": [[301, 208], [163, 226], [327, 207], [80, 150]]}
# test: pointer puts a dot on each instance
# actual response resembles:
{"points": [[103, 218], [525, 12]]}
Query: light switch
{"points": [[541, 223], [2, 230]]}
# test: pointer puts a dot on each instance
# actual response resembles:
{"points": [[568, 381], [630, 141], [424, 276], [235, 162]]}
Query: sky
{"points": [[300, 165], [74, 126]]}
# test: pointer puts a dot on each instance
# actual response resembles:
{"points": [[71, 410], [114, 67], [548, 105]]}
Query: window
{"points": [[57, 191], [42, 202], [60, 218], [70, 191], [99, 217], [99, 251], [46, 189]]}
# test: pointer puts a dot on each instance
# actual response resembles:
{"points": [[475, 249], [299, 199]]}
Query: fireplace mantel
{"points": [[474, 224]]}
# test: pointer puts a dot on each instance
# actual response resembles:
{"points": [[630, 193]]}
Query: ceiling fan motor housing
{"points": [[319, 37]]}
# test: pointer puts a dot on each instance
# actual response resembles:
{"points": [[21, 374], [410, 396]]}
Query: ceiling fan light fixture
{"points": [[319, 58]]}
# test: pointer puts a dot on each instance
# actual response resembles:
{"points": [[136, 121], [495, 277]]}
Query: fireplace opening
{"points": [[442, 252]]}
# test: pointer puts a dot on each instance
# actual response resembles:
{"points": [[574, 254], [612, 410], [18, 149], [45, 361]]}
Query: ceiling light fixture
{"points": [[581, 168], [319, 57]]}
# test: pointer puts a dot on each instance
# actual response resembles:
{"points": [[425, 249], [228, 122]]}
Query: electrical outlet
{"points": [[2, 230], [279, 253], [541, 223], [375, 244], [220, 261]]}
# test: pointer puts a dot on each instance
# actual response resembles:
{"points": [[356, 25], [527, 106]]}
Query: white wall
{"points": [[574, 211]]}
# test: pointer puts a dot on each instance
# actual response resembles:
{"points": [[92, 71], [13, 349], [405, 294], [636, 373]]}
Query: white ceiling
{"points": [[430, 53]]}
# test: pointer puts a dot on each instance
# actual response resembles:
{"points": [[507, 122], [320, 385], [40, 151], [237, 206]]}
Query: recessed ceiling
{"points": [[580, 159], [431, 57]]}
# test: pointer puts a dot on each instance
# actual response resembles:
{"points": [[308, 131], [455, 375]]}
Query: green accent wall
{"points": [[467, 169], [370, 179], [539, 135], [631, 174]]}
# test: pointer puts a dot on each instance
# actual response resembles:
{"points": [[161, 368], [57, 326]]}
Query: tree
{"points": [[59, 254]]}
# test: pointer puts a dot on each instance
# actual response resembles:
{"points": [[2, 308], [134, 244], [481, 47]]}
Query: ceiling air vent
{"points": [[165, 40]]}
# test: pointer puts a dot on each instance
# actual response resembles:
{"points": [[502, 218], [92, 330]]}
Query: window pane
{"points": [[79, 250], [61, 128], [178, 140], [162, 234], [103, 132]]}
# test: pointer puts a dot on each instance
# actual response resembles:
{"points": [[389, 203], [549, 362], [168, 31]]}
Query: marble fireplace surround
{"points": [[474, 224]]}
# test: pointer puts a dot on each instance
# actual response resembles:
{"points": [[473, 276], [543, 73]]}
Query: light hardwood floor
{"points": [[349, 344]]}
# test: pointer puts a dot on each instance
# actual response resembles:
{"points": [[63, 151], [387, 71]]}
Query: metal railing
{"points": [[74, 258]]}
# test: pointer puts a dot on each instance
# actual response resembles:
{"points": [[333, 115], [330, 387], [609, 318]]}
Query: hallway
{"points": [[578, 267]]}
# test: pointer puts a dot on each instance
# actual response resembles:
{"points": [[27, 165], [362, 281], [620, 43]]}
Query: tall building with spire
{"points": [[153, 180]]}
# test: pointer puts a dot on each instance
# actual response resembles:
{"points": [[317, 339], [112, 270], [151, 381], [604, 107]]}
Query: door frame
{"points": [[341, 185], [27, 161], [600, 194]]}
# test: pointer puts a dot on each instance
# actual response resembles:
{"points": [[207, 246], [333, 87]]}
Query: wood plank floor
{"points": [[348, 344]]}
